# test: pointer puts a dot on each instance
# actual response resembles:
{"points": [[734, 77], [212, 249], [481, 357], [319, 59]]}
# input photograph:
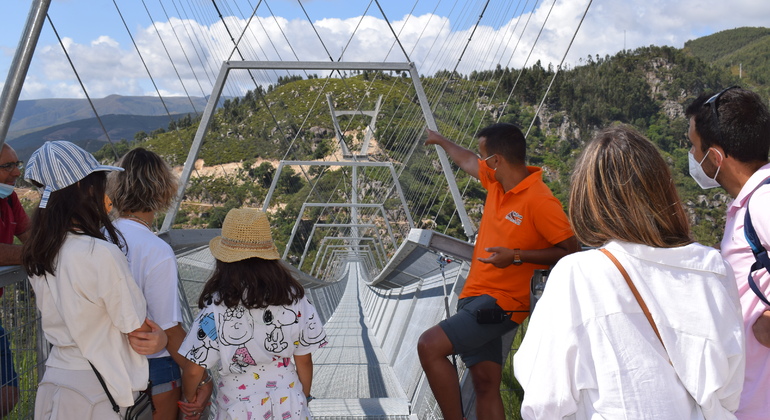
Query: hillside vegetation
{"points": [[742, 51], [88, 133], [648, 87]]}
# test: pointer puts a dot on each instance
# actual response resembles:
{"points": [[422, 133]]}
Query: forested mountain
{"points": [[648, 87], [743, 52]]}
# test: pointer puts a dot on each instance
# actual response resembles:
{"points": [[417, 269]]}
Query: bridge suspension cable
{"points": [[82, 86]]}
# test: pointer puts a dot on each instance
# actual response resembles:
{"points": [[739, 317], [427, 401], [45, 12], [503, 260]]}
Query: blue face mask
{"points": [[5, 190]]}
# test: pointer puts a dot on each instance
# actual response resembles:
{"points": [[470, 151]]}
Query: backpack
{"points": [[760, 253]]}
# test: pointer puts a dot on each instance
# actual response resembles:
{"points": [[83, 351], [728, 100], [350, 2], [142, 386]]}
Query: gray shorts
{"points": [[476, 342]]}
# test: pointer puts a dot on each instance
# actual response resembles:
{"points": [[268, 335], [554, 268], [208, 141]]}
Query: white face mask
{"points": [[697, 173], [5, 190], [486, 162]]}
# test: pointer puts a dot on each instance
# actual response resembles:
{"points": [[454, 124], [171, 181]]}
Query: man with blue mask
{"points": [[13, 219], [13, 222], [730, 136]]}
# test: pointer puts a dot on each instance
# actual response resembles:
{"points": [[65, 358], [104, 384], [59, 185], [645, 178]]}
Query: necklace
{"points": [[138, 219]]}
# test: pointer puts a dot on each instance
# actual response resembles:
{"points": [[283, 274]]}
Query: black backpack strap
{"points": [[104, 385], [762, 260]]}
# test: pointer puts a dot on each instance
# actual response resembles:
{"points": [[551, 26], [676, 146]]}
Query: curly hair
{"points": [[147, 184]]}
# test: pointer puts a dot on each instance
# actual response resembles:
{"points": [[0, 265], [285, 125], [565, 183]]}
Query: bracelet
{"points": [[310, 398], [205, 381]]}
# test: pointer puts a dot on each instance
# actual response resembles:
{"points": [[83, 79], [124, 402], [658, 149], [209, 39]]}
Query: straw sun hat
{"points": [[245, 234]]}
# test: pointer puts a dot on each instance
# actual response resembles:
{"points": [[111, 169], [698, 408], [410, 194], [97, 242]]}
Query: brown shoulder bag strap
{"points": [[634, 291]]}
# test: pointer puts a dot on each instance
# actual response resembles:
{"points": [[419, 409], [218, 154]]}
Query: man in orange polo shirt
{"points": [[523, 228]]}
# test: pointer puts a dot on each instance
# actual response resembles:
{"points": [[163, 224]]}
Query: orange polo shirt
{"points": [[526, 217]]}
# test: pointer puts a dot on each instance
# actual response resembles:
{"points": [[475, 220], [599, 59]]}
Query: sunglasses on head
{"points": [[714, 103]]}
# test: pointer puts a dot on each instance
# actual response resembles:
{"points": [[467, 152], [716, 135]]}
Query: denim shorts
{"points": [[476, 342], [7, 373], [164, 374]]}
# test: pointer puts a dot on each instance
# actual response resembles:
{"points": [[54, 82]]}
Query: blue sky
{"points": [[98, 41]]}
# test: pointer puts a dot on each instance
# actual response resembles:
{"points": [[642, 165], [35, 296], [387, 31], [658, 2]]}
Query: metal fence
{"points": [[27, 348], [20, 321]]}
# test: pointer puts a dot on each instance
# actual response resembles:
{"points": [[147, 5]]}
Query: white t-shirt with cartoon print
{"points": [[252, 350]]}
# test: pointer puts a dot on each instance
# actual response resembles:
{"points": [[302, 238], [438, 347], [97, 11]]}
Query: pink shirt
{"points": [[755, 401]]}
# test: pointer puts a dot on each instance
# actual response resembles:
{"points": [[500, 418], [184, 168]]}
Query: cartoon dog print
{"points": [[207, 335], [277, 317]]}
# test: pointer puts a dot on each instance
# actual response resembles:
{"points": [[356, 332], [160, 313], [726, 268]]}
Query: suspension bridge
{"points": [[382, 237]]}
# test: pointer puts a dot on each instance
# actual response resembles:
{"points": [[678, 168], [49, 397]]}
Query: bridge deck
{"points": [[353, 377]]}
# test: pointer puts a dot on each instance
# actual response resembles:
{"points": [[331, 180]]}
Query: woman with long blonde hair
{"points": [[648, 326]]}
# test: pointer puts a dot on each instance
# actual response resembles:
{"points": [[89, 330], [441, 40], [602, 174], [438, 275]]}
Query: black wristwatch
{"points": [[517, 257]]}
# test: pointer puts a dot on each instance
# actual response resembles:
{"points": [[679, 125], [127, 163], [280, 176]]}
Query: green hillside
{"points": [[648, 88], [714, 47], [744, 52]]}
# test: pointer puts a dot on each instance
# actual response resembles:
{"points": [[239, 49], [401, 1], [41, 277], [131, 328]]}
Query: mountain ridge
{"points": [[36, 114]]}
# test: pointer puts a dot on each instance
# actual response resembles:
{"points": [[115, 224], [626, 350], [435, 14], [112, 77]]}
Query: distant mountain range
{"points": [[39, 120], [88, 133]]}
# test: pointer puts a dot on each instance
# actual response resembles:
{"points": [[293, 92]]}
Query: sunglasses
{"points": [[12, 165], [714, 103]]}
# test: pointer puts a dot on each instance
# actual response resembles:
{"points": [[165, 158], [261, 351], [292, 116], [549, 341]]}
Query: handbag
{"points": [[143, 406]]}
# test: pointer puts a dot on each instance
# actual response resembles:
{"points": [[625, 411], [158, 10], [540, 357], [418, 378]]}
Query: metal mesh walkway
{"points": [[353, 378]]}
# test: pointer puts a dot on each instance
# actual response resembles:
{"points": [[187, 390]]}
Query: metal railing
{"points": [[28, 348]]}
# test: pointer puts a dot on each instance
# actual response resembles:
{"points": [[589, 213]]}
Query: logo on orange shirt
{"points": [[515, 217]]}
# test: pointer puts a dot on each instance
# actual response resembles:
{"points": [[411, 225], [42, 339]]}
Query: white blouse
{"points": [[590, 353]]}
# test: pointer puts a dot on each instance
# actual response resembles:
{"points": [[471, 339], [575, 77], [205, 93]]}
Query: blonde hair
{"points": [[147, 184], [622, 189]]}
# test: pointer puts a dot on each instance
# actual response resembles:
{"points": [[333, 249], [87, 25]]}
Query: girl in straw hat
{"points": [[255, 326], [92, 311]]}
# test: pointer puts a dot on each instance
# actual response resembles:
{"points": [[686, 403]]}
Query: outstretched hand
{"points": [[434, 137], [501, 257], [148, 339]]}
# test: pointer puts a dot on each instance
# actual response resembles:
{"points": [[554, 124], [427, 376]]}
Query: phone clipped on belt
{"points": [[494, 315]]}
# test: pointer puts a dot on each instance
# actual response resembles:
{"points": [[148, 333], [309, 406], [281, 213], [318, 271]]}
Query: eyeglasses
{"points": [[714, 102], [12, 165]]}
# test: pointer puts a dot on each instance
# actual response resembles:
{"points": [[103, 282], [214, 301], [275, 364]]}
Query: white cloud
{"points": [[108, 66]]}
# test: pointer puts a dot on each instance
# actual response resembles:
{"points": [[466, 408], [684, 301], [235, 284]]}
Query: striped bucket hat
{"points": [[59, 164]]}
